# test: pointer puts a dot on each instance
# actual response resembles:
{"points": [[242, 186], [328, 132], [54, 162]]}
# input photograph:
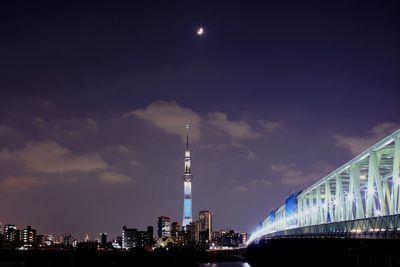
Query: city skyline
{"points": [[95, 98]]}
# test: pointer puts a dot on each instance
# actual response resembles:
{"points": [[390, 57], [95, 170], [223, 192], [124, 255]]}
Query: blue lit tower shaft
{"points": [[187, 185]]}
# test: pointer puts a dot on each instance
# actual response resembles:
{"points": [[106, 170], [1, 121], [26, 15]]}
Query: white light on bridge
{"points": [[371, 190], [350, 197]]}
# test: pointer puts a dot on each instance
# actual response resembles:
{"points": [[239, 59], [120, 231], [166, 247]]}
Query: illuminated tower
{"points": [[187, 185]]}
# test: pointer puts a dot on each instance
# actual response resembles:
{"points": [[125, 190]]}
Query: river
{"points": [[225, 264]]}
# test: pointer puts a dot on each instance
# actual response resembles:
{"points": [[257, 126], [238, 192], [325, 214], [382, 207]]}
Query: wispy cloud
{"points": [[7, 155], [239, 129], [357, 144], [136, 163], [47, 104], [263, 182], [19, 182], [8, 131], [73, 127], [245, 149], [39, 159], [50, 157], [240, 188], [290, 174], [113, 177], [170, 117], [270, 126]]}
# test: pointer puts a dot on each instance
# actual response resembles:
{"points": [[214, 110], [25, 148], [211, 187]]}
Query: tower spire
{"points": [[187, 137]]}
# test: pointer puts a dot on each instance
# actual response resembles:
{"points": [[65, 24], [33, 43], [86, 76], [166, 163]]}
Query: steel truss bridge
{"points": [[360, 198]]}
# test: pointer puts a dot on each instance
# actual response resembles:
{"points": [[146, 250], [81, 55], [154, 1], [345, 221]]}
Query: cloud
{"points": [[170, 117], [357, 144], [51, 157], [250, 154], [70, 127], [47, 104], [236, 129], [19, 182], [5, 130], [136, 162], [74, 133], [39, 122], [81, 124], [233, 185], [271, 126], [240, 188], [290, 174], [120, 149], [123, 149], [113, 178], [263, 182], [6, 155], [91, 124]]}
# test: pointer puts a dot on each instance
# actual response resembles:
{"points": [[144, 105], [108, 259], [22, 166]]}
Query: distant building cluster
{"points": [[27, 238], [190, 233], [197, 234]]}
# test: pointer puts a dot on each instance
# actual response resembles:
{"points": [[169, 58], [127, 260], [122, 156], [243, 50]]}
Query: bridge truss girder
{"points": [[364, 188]]}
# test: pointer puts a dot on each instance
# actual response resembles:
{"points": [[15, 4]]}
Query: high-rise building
{"points": [[132, 238], [67, 240], [205, 218], [103, 239], [244, 237], [144, 239], [128, 238], [163, 227], [150, 229], [48, 240], [28, 235], [10, 233], [39, 240], [187, 185], [87, 237], [175, 229], [118, 240], [231, 239], [193, 230]]}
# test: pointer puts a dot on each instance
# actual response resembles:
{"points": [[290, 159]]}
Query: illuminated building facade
{"points": [[144, 239], [193, 231], [187, 185], [10, 233], [163, 227], [128, 238], [175, 229], [205, 218], [28, 235]]}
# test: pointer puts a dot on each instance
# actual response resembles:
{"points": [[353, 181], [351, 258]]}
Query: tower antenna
{"points": [[187, 137]]}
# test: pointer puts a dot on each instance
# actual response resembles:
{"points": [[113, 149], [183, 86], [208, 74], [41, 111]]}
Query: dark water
{"points": [[225, 264]]}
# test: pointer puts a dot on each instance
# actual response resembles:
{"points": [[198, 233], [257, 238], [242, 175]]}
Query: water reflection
{"points": [[225, 264]]}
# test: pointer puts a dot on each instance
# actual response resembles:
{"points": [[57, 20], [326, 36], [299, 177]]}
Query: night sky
{"points": [[95, 98]]}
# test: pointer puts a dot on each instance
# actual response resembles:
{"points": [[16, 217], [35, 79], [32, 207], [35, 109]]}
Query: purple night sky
{"points": [[95, 98]]}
